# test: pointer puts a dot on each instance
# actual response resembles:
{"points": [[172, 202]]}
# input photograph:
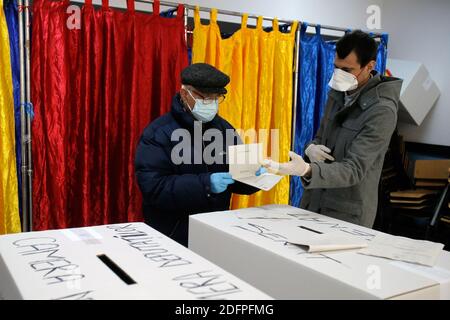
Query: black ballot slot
{"points": [[116, 269]]}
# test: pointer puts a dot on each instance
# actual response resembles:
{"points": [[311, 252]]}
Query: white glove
{"points": [[318, 153], [296, 167]]}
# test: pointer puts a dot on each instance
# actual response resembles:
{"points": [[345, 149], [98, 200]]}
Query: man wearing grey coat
{"points": [[344, 161]]}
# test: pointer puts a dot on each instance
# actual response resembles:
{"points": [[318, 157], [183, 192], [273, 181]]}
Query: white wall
{"points": [[419, 30]]}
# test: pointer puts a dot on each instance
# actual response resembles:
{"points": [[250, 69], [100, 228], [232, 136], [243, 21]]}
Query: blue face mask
{"points": [[202, 111]]}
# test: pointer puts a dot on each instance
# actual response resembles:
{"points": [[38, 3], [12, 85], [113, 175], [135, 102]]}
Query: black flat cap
{"points": [[205, 78]]}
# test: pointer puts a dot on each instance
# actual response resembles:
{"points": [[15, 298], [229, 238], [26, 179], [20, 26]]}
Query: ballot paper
{"points": [[404, 249], [244, 161], [325, 242], [265, 182]]}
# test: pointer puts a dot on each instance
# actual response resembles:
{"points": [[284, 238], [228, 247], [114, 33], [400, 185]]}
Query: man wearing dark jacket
{"points": [[180, 164], [344, 160]]}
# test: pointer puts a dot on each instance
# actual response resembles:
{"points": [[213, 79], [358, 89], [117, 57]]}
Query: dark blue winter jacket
{"points": [[171, 192]]}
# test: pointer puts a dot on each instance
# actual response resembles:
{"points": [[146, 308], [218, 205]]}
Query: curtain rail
{"points": [[239, 14]]}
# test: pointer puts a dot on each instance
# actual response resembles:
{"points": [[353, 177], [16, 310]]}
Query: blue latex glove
{"points": [[261, 171], [220, 181]]}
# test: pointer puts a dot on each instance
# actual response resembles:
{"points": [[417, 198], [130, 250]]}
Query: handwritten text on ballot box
{"points": [[121, 261], [250, 244]]}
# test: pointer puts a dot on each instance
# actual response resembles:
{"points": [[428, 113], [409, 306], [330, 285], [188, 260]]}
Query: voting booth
{"points": [[254, 246], [123, 261]]}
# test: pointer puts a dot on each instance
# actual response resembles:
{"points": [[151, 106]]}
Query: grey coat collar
{"points": [[377, 87]]}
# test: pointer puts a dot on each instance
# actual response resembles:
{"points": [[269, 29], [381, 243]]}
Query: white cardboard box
{"points": [[66, 264], [249, 249], [419, 92]]}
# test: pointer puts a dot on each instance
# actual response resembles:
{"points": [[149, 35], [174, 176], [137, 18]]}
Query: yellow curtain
{"points": [[260, 65], [9, 201]]}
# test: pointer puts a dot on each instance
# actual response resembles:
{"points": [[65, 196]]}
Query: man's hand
{"points": [[296, 167], [220, 181], [318, 153]]}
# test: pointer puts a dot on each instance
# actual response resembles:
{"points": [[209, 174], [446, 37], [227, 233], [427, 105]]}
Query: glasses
{"points": [[208, 100]]}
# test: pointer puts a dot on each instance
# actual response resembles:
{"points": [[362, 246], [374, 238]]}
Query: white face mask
{"points": [[202, 111], [343, 81]]}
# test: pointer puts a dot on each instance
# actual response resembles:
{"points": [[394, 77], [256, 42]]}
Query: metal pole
{"points": [[297, 63], [25, 221], [28, 116], [294, 106], [233, 13]]}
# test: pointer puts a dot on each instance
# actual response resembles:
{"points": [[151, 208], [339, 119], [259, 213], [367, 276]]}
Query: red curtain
{"points": [[94, 90]]}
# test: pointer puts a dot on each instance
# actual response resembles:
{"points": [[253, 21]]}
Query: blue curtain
{"points": [[170, 13], [382, 54], [11, 13], [316, 68]]}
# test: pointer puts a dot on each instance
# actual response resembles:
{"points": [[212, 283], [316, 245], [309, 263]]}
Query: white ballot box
{"points": [[120, 261], [253, 244]]}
